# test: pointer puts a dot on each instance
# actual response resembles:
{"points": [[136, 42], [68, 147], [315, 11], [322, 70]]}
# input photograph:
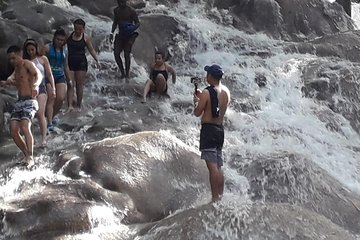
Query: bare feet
{"points": [[70, 109], [217, 199], [27, 161], [144, 100]]}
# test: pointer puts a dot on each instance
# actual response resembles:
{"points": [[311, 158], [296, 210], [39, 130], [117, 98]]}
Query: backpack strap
{"points": [[215, 111]]}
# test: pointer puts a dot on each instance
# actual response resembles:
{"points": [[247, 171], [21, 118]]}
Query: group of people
{"points": [[43, 78], [43, 81]]}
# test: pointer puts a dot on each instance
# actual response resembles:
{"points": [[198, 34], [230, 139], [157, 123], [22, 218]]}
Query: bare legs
{"points": [[70, 91], [117, 51], [41, 117], [127, 57], [60, 97], [80, 77], [126, 46], [149, 85], [79, 81], [26, 146], [160, 86], [50, 104], [216, 177]]}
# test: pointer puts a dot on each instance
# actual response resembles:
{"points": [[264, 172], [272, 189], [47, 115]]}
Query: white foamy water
{"points": [[286, 121], [355, 11]]}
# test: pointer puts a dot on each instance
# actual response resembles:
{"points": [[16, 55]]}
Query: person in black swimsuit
{"points": [[127, 21], [77, 42], [159, 73]]}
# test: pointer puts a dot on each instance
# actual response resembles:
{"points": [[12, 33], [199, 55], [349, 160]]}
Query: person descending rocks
{"points": [[26, 78], [127, 21]]}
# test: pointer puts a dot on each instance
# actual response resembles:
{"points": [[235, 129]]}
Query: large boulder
{"points": [[12, 34], [343, 45], [60, 208], [292, 179], [288, 19], [156, 32], [105, 7], [38, 16], [22, 19], [159, 172], [238, 220]]}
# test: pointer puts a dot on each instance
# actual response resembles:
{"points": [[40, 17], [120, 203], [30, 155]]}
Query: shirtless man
{"points": [[211, 104], [26, 78], [127, 21]]}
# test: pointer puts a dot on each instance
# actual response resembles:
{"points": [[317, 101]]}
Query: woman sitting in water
{"points": [[159, 73], [31, 53]]}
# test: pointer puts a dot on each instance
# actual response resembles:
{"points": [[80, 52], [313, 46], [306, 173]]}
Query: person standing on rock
{"points": [[77, 43], [57, 55], [159, 73], [127, 21], [26, 78], [46, 94], [211, 104]]}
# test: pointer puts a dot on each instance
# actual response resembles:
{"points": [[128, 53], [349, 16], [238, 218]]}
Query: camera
{"points": [[195, 81]]}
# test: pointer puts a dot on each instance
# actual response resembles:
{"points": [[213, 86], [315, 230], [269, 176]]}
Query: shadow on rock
{"points": [[159, 172]]}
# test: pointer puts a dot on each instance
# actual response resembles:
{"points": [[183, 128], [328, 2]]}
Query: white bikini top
{"points": [[39, 65]]}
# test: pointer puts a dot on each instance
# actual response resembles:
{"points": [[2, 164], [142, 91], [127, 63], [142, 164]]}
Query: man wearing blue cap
{"points": [[211, 104], [127, 21]]}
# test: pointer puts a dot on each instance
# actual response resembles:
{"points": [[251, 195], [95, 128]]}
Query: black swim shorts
{"points": [[211, 142], [78, 63]]}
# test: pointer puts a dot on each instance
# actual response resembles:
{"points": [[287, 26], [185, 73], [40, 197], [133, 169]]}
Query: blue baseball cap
{"points": [[215, 71]]}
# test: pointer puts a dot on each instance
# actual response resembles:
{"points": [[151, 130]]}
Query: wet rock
{"points": [[7, 104], [47, 216], [260, 79], [288, 19], [288, 178], [12, 34], [105, 7], [155, 32], [327, 81], [343, 45], [346, 4], [158, 172], [232, 220], [61, 208], [38, 16]]}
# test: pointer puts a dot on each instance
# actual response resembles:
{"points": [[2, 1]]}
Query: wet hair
{"points": [[79, 21], [28, 42], [60, 32], [13, 49], [160, 53]]}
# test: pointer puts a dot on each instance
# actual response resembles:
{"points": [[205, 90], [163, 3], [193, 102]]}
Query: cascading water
{"points": [[279, 118]]}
